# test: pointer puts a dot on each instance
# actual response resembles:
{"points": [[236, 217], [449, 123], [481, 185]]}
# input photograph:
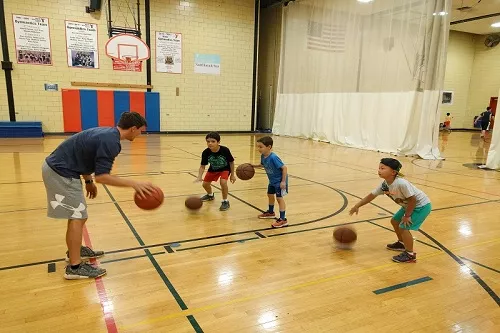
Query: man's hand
{"points": [[91, 190], [233, 178], [144, 188]]}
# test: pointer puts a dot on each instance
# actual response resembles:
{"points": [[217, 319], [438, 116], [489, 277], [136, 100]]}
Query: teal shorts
{"points": [[417, 217]]}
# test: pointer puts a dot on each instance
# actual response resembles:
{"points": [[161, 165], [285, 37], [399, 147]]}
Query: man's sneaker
{"points": [[87, 253], [405, 257], [85, 271], [279, 223], [224, 206], [267, 215], [208, 197], [398, 246]]}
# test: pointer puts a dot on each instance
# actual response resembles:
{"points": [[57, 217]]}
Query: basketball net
{"points": [[130, 64]]}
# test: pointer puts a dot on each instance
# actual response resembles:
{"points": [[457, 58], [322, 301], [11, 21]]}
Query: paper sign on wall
{"points": [[168, 52], [32, 35], [81, 45], [207, 64]]}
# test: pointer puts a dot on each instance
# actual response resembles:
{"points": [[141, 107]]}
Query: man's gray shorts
{"points": [[65, 198]]}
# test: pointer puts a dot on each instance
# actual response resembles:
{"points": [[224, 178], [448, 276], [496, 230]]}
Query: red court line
{"points": [[106, 304]]}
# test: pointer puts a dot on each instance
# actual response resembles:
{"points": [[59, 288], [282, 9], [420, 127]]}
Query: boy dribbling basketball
{"points": [[415, 207], [221, 166], [276, 171]]}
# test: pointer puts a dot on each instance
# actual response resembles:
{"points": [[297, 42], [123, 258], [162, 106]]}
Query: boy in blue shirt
{"points": [[278, 181]]}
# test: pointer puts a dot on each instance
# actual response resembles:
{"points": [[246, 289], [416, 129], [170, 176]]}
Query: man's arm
{"points": [[140, 187]]}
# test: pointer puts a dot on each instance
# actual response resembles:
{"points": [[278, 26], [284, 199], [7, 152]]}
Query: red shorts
{"points": [[447, 123], [214, 176]]}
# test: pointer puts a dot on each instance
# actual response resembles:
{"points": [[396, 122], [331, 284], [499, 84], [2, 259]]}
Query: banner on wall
{"points": [[81, 45], [168, 52], [32, 38], [207, 64]]}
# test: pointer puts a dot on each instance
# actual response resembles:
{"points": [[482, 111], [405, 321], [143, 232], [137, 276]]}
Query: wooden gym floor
{"points": [[174, 271]]}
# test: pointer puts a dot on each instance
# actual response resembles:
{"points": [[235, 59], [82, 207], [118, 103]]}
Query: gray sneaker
{"points": [[87, 253], [85, 271], [224, 206], [208, 197]]}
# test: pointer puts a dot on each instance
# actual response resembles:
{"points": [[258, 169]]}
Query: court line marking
{"points": [[478, 279], [152, 259], [482, 265], [402, 285], [282, 290], [481, 282], [101, 291], [226, 235]]}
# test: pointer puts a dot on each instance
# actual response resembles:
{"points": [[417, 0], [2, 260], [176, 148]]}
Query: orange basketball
{"points": [[152, 201], [245, 171], [345, 235], [193, 203]]}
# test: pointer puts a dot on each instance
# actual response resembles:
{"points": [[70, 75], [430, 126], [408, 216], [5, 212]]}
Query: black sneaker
{"points": [[398, 246], [208, 197], [224, 206], [405, 257]]}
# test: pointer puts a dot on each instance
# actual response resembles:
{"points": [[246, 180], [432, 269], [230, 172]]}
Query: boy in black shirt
{"points": [[221, 166]]}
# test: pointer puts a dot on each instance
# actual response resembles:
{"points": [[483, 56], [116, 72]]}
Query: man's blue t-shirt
{"points": [[273, 165], [90, 151]]}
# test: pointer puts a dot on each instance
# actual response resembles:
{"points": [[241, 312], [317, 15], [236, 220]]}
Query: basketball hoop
{"points": [[127, 52]]}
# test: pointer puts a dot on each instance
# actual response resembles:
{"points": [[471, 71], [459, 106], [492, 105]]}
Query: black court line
{"points": [[159, 270], [416, 240], [217, 244], [479, 264], [461, 263], [169, 249], [402, 285], [260, 235], [31, 264], [51, 267], [195, 324], [129, 258]]}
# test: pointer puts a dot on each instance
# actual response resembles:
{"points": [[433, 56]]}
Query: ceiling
{"points": [[478, 8]]}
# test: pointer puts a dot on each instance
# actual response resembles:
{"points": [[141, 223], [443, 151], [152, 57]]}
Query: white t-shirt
{"points": [[400, 190]]}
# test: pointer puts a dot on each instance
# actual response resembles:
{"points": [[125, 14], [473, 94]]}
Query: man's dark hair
{"points": [[131, 119], [213, 135], [266, 141], [488, 108], [448, 114]]}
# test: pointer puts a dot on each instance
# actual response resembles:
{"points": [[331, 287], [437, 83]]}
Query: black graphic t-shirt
{"points": [[219, 161]]}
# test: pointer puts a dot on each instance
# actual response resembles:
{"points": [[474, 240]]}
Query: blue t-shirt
{"points": [[90, 151], [273, 165]]}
